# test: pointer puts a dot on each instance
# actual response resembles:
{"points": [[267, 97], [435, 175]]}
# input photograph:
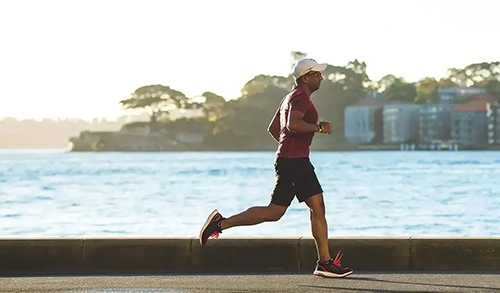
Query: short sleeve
{"points": [[300, 103]]}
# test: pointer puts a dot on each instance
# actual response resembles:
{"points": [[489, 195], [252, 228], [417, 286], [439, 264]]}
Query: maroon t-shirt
{"points": [[291, 144]]}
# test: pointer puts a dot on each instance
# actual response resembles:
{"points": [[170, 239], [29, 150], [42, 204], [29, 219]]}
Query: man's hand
{"points": [[326, 127]]}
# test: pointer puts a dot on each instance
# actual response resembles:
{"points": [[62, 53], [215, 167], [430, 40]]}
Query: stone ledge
{"points": [[46, 256], [40, 256], [455, 253]]}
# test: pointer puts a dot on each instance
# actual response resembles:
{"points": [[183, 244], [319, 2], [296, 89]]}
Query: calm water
{"points": [[53, 193]]}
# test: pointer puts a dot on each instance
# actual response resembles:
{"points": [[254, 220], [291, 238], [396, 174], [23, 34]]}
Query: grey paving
{"points": [[358, 282]]}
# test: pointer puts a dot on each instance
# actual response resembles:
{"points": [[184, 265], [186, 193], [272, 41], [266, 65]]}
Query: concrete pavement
{"points": [[357, 282]]}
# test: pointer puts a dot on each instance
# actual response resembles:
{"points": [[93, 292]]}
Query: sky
{"points": [[79, 58]]}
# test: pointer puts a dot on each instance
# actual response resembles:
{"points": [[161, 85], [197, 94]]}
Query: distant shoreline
{"points": [[66, 150]]}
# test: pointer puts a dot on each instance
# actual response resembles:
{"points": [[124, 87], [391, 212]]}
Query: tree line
{"points": [[241, 123]]}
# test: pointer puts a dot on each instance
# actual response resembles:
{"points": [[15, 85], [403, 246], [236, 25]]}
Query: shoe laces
{"points": [[337, 261], [338, 258], [214, 235]]}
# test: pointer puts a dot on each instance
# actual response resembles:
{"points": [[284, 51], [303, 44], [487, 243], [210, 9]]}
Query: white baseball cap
{"points": [[305, 65]]}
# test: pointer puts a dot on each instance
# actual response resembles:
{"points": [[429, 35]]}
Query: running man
{"points": [[293, 127]]}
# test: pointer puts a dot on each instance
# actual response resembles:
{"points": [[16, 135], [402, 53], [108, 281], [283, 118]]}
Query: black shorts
{"points": [[294, 177]]}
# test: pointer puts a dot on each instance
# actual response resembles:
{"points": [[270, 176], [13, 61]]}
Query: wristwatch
{"points": [[320, 128]]}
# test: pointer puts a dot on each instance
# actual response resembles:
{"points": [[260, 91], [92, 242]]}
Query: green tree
{"points": [[156, 100], [213, 106], [484, 74], [386, 82], [427, 91], [261, 82], [359, 68], [397, 89], [445, 82]]}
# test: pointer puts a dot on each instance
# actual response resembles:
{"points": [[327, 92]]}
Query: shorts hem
{"points": [[304, 198], [280, 204]]}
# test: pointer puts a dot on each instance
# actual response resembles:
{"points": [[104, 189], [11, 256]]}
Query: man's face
{"points": [[313, 80]]}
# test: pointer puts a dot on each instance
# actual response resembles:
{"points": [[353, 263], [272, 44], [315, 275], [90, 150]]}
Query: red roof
{"points": [[483, 97], [473, 106]]}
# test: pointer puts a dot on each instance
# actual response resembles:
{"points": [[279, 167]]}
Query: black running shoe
{"points": [[211, 228], [332, 268]]}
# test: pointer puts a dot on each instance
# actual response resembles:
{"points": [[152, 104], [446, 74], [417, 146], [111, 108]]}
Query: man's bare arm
{"points": [[296, 124], [274, 126]]}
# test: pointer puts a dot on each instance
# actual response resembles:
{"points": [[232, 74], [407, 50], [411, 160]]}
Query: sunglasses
{"points": [[316, 74]]}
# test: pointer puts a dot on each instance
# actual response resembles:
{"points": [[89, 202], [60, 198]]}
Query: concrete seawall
{"points": [[27, 256]]}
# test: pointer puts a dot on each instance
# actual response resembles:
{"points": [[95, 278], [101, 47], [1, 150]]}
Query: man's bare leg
{"points": [[254, 216], [319, 226], [215, 222], [326, 267]]}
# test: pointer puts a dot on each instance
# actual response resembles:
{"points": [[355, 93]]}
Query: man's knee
{"points": [[275, 212], [316, 205]]}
